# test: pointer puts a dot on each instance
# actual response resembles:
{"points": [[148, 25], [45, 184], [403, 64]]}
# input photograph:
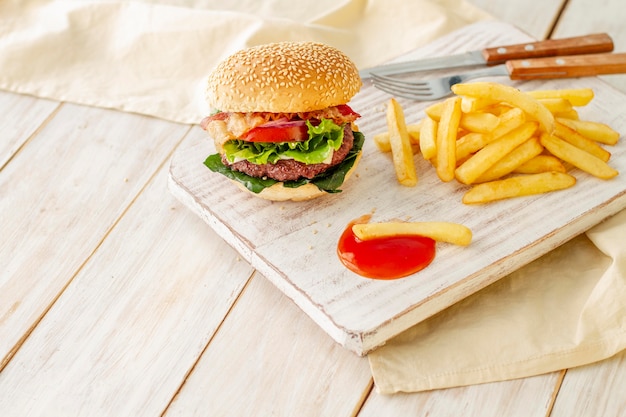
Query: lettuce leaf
{"points": [[323, 139], [328, 181]]}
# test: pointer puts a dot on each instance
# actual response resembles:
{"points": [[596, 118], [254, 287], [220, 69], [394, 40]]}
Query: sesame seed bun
{"points": [[287, 77]]}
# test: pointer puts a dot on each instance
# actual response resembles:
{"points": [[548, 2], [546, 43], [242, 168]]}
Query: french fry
{"points": [[510, 95], [580, 141], [401, 151], [570, 114], [518, 186], [473, 104], [598, 132], [477, 164], [556, 105], [470, 121], [434, 111], [509, 120], [446, 138], [428, 138], [382, 139], [540, 163], [479, 122], [454, 233], [523, 153], [577, 157], [414, 133], [576, 96], [470, 143]]}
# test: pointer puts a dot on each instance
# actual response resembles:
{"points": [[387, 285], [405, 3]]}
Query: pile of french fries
{"points": [[500, 141]]}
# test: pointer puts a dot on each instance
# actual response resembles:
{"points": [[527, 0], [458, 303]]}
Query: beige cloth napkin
{"points": [[152, 57]]}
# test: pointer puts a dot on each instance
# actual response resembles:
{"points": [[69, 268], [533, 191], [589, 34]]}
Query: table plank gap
{"points": [[534, 18], [366, 394], [593, 390], [217, 329], [557, 388], [593, 16], [25, 122]]}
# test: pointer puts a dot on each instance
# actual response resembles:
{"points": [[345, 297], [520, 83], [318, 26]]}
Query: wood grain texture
{"points": [[293, 244], [528, 397], [593, 390], [124, 334], [60, 195], [21, 117], [269, 359], [587, 16], [533, 17]]}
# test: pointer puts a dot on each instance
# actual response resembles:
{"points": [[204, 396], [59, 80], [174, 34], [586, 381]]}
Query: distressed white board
{"points": [[294, 244]]}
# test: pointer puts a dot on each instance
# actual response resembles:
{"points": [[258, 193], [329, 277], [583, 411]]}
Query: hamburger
{"points": [[281, 126]]}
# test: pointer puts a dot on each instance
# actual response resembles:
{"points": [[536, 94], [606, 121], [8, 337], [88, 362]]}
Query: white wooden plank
{"points": [[592, 16], [286, 241], [124, 334], [21, 116], [269, 359], [533, 17], [59, 197], [528, 397], [593, 390]]}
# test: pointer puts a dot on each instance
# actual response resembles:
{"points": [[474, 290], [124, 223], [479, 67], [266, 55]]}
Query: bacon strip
{"points": [[225, 126]]}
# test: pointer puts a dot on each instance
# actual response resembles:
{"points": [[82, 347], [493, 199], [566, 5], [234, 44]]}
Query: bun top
{"points": [[287, 77]]}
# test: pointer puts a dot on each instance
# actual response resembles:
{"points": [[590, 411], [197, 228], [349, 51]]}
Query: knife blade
{"points": [[587, 44]]}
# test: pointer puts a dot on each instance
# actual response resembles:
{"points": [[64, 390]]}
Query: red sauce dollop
{"points": [[385, 258]]}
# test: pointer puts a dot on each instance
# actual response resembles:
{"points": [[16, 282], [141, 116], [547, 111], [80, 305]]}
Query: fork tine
{"points": [[424, 96], [400, 88], [399, 82]]}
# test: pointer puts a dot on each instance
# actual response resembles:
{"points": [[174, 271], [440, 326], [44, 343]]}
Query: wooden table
{"points": [[116, 300]]}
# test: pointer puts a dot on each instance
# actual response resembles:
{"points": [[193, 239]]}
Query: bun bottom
{"points": [[278, 192]]}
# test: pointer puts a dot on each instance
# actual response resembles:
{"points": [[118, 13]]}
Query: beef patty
{"points": [[288, 169]]}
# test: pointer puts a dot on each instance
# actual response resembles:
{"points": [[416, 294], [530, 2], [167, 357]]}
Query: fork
{"points": [[523, 69]]}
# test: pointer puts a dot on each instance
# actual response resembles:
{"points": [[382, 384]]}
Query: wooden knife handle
{"points": [[567, 66], [589, 44]]}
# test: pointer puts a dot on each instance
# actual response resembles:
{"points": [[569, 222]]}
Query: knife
{"points": [[588, 44]]}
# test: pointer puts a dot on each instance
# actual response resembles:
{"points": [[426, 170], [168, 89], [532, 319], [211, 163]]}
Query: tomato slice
{"points": [[295, 131]]}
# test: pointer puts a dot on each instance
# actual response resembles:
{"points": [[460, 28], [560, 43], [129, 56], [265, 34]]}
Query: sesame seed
{"points": [[302, 76]]}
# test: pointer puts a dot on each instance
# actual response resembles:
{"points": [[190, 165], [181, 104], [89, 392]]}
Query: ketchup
{"points": [[384, 258]]}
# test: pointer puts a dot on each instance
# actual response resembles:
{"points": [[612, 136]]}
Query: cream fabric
{"points": [[153, 57]]}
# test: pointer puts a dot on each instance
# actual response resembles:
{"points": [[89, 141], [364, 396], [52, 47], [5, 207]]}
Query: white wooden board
{"points": [[294, 244]]}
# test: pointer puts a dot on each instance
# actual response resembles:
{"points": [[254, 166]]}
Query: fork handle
{"points": [[589, 44], [567, 66]]}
